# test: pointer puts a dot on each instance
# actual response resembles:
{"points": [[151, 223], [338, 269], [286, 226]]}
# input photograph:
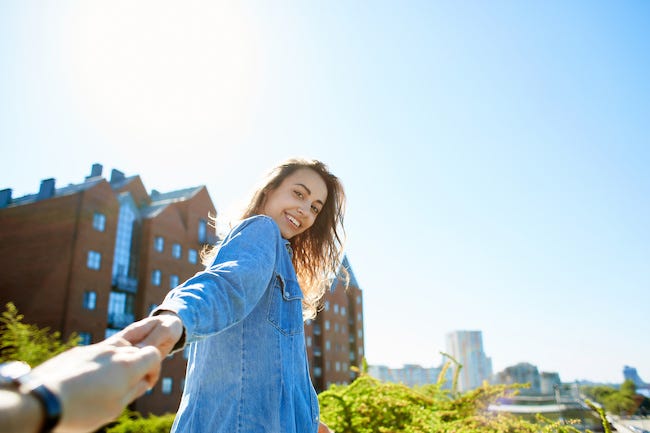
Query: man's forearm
{"points": [[21, 413]]}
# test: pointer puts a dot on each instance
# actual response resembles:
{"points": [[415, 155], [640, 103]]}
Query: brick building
{"points": [[335, 337], [91, 258]]}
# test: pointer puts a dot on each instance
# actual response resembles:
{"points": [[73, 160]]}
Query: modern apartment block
{"points": [[91, 258], [412, 375], [335, 337], [467, 348]]}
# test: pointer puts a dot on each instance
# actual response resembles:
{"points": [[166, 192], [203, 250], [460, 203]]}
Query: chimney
{"points": [[5, 197], [116, 176], [47, 189], [95, 171]]}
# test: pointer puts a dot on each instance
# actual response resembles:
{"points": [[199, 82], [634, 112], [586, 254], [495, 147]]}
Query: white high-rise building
{"points": [[467, 348]]}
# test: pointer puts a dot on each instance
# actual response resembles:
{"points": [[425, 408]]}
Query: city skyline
{"points": [[495, 155]]}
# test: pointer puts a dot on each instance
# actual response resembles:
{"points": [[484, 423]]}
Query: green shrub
{"points": [[368, 405], [29, 343], [133, 422]]}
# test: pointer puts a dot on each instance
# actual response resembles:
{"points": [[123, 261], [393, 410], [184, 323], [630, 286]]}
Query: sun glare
{"points": [[156, 71]]}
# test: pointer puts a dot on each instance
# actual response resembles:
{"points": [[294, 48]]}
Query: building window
{"points": [[327, 325], [94, 260], [159, 244], [99, 221], [328, 345], [316, 329], [342, 311], [360, 333], [192, 256], [90, 300], [203, 230], [173, 281], [177, 251], [308, 341], [85, 338], [167, 385], [358, 300], [156, 277], [318, 372], [336, 308], [337, 366], [127, 219], [327, 306]]}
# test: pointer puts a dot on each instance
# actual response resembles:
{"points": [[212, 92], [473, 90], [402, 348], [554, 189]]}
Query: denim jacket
{"points": [[247, 368]]}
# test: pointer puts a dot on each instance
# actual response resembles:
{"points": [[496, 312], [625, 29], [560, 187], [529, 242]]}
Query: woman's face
{"points": [[296, 202]]}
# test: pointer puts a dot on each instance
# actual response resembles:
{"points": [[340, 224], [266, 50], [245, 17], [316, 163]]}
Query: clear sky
{"points": [[495, 153]]}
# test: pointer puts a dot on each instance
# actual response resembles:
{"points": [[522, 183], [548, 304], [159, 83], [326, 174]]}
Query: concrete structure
{"points": [[630, 373], [467, 348], [521, 373], [549, 382], [411, 375]]}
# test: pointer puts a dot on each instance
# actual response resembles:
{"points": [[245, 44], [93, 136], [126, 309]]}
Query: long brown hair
{"points": [[318, 251]]}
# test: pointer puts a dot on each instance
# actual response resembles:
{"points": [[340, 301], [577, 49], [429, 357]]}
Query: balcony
{"points": [[120, 320], [125, 284]]}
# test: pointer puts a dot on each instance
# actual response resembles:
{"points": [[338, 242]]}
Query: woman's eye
{"points": [[315, 210], [298, 194]]}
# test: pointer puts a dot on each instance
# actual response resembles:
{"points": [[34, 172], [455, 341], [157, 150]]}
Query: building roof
{"points": [[58, 192], [117, 184], [174, 196], [160, 201], [153, 210]]}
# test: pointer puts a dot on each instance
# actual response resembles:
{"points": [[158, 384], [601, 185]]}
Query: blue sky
{"points": [[495, 154]]}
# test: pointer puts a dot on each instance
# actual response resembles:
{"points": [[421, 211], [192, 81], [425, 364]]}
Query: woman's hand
{"points": [[322, 428]]}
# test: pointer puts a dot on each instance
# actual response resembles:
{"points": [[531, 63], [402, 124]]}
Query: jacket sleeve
{"points": [[228, 290]]}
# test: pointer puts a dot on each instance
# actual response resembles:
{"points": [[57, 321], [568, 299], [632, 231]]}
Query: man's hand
{"points": [[96, 382]]}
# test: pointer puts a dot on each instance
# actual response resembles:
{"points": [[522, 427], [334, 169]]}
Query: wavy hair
{"points": [[318, 251]]}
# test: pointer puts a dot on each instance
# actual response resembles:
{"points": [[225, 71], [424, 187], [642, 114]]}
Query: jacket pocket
{"points": [[285, 306]]}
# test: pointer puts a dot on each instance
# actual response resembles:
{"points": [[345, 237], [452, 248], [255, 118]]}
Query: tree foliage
{"points": [[623, 401], [28, 343]]}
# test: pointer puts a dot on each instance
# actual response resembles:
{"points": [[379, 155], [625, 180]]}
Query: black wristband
{"points": [[51, 406]]}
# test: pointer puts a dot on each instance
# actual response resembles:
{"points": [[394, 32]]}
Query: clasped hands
{"points": [[94, 383]]}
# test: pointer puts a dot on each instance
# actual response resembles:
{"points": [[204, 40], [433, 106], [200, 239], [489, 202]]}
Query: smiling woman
{"points": [[164, 71], [244, 315]]}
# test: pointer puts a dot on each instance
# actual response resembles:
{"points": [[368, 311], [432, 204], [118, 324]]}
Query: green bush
{"points": [[368, 405], [133, 422], [29, 343]]}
